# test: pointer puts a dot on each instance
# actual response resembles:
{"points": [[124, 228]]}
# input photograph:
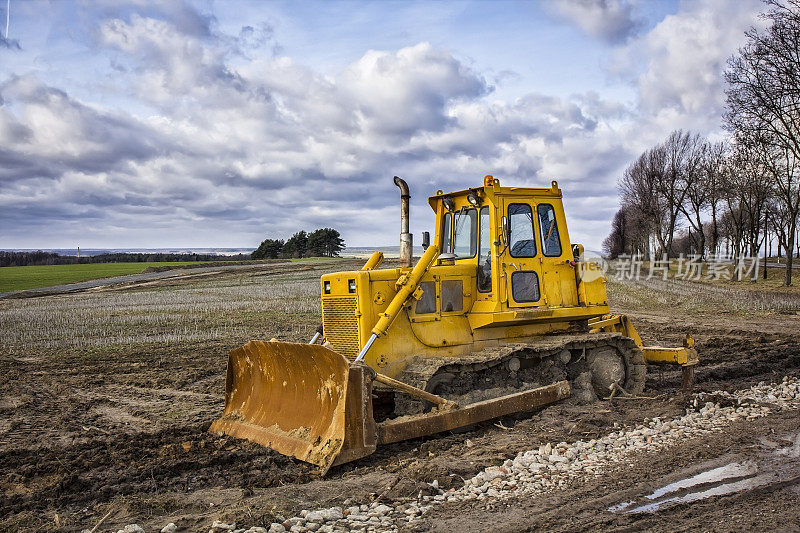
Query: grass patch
{"points": [[315, 259], [773, 283], [34, 277], [678, 297]]}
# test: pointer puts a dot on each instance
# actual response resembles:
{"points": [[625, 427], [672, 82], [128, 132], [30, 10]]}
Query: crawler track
{"points": [[591, 362]]}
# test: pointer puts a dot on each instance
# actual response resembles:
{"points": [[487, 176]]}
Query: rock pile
{"points": [[553, 466]]}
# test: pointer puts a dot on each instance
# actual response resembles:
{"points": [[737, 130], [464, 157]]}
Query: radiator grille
{"points": [[340, 323]]}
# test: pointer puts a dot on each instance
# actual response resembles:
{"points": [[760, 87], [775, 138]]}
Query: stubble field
{"points": [[108, 395]]}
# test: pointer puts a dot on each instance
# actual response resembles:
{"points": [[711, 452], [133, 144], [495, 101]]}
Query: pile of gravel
{"points": [[552, 466], [556, 465]]}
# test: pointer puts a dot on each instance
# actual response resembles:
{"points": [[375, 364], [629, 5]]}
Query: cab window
{"points": [[446, 233], [452, 295], [465, 233], [520, 222], [426, 304], [525, 286], [484, 252], [551, 242]]}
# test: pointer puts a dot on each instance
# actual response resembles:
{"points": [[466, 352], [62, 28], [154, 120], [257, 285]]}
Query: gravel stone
{"points": [[289, 523], [131, 528]]}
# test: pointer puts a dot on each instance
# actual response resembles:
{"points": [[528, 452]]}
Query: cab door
{"points": [[557, 273], [521, 258]]}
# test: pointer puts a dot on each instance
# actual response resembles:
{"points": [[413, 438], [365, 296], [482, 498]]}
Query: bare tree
{"points": [[782, 169], [763, 99], [629, 233], [714, 168], [697, 191], [681, 170], [775, 224], [639, 189], [734, 217], [756, 187], [659, 183]]}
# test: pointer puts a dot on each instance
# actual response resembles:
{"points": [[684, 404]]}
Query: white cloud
{"points": [[612, 21], [407, 92], [684, 57], [238, 142]]}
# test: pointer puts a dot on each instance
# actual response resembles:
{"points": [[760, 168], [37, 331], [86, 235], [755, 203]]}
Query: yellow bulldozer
{"points": [[500, 314]]}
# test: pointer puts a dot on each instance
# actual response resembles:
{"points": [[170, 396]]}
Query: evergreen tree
{"points": [[297, 245], [325, 242], [268, 249]]}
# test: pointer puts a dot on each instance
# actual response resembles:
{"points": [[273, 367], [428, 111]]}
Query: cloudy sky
{"points": [[127, 123]]}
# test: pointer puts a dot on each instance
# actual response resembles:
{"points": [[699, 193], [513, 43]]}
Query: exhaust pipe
{"points": [[406, 239]]}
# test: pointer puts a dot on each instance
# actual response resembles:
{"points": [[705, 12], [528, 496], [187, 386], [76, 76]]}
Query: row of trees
{"points": [[323, 242], [691, 195]]}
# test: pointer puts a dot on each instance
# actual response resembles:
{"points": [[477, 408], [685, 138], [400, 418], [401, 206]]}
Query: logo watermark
{"points": [[690, 267]]}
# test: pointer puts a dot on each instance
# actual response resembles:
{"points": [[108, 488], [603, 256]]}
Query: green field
{"points": [[34, 277]]}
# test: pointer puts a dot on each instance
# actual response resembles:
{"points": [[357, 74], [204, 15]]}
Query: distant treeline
{"points": [[50, 258], [322, 242]]}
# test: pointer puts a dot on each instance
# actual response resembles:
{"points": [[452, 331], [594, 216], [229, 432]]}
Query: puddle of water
{"points": [[621, 506], [716, 475], [727, 479], [718, 490]]}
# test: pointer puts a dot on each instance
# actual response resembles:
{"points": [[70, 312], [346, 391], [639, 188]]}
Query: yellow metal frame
{"points": [[685, 355]]}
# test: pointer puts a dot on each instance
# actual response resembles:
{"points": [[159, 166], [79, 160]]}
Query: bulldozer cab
{"points": [[516, 238]]}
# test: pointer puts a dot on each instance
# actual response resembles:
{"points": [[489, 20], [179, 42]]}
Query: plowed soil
{"points": [[121, 427]]}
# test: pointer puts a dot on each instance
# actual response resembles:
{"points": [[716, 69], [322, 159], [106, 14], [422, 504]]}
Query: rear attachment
{"points": [[309, 402], [685, 356]]}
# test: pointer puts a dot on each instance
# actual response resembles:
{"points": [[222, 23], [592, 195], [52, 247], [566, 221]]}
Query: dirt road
{"points": [[108, 396]]}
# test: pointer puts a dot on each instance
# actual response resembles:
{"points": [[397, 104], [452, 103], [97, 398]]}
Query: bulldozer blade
{"points": [[309, 402], [301, 400]]}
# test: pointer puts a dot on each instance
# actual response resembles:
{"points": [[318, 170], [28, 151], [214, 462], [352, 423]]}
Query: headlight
{"points": [[474, 199]]}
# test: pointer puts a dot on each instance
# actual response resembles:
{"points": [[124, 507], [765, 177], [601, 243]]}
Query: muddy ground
{"points": [[104, 409]]}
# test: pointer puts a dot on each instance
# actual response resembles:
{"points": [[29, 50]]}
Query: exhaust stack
{"points": [[406, 239]]}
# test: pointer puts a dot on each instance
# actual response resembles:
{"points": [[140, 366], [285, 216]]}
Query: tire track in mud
{"points": [[180, 458]]}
